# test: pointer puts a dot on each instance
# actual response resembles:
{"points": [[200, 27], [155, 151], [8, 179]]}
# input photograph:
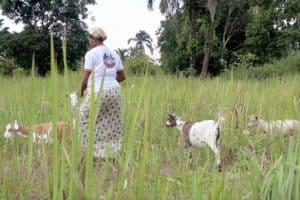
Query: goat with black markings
{"points": [[200, 134]]}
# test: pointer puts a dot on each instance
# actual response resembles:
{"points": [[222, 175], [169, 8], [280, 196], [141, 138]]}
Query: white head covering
{"points": [[97, 33]]}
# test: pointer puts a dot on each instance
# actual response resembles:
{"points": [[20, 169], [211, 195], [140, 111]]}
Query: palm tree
{"points": [[132, 52], [123, 53], [142, 38], [166, 6]]}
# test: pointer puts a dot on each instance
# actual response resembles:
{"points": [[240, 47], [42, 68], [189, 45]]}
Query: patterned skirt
{"points": [[108, 127]]}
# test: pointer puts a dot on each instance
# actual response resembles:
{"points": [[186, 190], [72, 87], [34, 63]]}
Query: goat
{"points": [[41, 132], [73, 99], [286, 127], [199, 134]]}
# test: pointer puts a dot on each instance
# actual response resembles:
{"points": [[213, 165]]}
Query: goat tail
{"points": [[221, 120]]}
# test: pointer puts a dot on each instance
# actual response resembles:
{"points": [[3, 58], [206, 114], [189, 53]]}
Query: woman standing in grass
{"points": [[106, 65]]}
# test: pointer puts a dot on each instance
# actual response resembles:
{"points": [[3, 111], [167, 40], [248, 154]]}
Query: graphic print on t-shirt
{"points": [[109, 60]]}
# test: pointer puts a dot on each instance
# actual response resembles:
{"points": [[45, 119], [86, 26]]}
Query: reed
{"points": [[153, 163]]}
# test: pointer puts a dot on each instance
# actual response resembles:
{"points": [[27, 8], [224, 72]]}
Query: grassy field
{"points": [[153, 163]]}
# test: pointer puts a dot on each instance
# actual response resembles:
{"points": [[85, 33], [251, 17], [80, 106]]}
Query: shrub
{"points": [[19, 72], [244, 61], [140, 64], [7, 67], [277, 68]]}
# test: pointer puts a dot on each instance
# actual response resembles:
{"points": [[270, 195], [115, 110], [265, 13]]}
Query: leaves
{"points": [[62, 18], [142, 38]]}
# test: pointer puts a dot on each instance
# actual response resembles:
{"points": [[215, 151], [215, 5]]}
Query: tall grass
{"points": [[153, 163]]}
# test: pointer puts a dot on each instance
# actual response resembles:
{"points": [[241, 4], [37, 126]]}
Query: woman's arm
{"points": [[84, 82], [120, 76]]}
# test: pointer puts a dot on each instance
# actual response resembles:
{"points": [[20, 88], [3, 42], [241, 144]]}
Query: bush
{"points": [[140, 64], [19, 72], [7, 66], [243, 61], [277, 68]]}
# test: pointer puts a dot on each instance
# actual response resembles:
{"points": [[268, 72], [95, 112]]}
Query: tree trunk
{"points": [[207, 51], [204, 68], [211, 6], [193, 35]]}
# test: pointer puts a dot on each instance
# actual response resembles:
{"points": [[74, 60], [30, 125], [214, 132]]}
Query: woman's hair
{"points": [[97, 33]]}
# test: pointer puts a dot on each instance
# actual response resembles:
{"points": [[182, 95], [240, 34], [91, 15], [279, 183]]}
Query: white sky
{"points": [[121, 20]]}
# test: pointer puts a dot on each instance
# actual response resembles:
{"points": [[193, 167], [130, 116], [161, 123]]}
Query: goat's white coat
{"points": [[73, 99], [203, 133], [285, 127], [208, 130]]}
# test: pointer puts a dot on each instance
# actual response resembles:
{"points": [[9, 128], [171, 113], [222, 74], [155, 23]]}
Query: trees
{"points": [[209, 36], [3, 35], [62, 18], [215, 33], [194, 9], [273, 29], [123, 53], [142, 38]]}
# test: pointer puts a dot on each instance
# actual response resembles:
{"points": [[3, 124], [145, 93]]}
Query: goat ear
{"points": [[169, 114], [16, 126]]}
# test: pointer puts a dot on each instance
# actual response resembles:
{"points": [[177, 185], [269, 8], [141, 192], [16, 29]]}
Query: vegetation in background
{"points": [[197, 37], [40, 18], [142, 39], [140, 64], [244, 68], [221, 29]]}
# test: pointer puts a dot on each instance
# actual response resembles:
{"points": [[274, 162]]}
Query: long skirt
{"points": [[108, 127]]}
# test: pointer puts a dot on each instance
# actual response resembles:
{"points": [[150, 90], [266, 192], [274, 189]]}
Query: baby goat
{"points": [[41, 132], [199, 134], [286, 127], [73, 99]]}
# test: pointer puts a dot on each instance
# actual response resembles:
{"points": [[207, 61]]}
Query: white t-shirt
{"points": [[105, 63]]}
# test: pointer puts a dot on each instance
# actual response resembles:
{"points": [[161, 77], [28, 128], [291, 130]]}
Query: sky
{"points": [[121, 20]]}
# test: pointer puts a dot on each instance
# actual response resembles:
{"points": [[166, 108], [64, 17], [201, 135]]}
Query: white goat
{"points": [[74, 105], [286, 127], [73, 99], [200, 134]]}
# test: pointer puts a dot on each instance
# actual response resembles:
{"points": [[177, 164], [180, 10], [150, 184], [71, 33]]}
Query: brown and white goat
{"points": [[41, 132], [286, 127], [200, 134]]}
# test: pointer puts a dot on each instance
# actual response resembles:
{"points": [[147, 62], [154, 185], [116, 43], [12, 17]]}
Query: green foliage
{"points": [[21, 47], [142, 38], [153, 163], [262, 38], [123, 53], [267, 29], [173, 40], [7, 67], [32, 12], [63, 18], [19, 72], [243, 61], [4, 35], [278, 68], [140, 64]]}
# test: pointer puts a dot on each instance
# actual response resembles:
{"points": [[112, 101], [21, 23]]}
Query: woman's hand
{"points": [[120, 76]]}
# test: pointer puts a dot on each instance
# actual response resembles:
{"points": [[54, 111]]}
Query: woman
{"points": [[106, 65]]}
